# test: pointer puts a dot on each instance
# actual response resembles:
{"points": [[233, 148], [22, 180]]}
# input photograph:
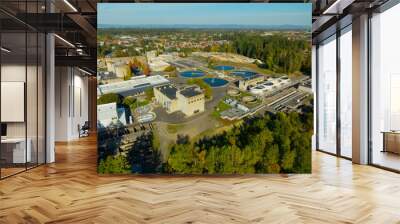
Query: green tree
{"points": [[114, 165], [170, 69], [143, 157], [271, 160], [109, 98], [128, 101], [269, 144], [149, 94], [278, 52], [101, 168], [181, 159]]}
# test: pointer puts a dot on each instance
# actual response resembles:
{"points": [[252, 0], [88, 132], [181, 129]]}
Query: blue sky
{"points": [[204, 14]]}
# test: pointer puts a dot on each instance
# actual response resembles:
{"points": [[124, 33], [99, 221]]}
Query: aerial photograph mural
{"points": [[204, 88]]}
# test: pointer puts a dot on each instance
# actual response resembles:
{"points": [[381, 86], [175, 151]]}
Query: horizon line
{"points": [[204, 25]]}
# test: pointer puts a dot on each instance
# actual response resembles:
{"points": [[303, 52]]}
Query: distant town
{"points": [[163, 87]]}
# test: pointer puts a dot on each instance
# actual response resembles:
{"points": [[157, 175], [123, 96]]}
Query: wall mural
{"points": [[204, 88]]}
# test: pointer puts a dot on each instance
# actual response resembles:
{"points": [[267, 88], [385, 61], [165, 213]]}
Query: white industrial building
{"points": [[189, 100], [158, 63], [133, 86], [269, 85], [120, 68], [247, 82], [109, 114]]}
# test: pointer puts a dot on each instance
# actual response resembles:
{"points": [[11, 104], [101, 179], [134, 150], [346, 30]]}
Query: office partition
{"points": [[22, 77]]}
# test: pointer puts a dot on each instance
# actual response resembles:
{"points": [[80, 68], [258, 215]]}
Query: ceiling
{"points": [[74, 22], [330, 13]]}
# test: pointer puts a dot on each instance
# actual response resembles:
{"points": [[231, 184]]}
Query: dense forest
{"points": [[274, 143], [277, 52]]}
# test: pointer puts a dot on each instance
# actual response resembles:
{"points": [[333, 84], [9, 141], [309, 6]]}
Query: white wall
{"points": [[80, 104], [33, 126], [12, 73], [61, 103], [71, 102]]}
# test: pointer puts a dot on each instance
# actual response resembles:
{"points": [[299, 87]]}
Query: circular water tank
{"points": [[223, 67], [233, 92], [192, 74], [215, 82], [148, 117], [249, 99]]}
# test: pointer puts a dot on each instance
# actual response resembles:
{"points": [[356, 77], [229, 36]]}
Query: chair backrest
{"points": [[86, 125]]}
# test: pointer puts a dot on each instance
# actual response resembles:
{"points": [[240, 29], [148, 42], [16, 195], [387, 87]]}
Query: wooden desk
{"points": [[13, 150], [391, 141]]}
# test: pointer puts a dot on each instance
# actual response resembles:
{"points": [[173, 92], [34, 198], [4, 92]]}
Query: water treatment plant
{"points": [[224, 67], [192, 74], [232, 92], [182, 90], [215, 82]]}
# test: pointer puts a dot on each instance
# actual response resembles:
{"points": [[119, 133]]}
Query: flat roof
{"points": [[106, 112], [168, 90], [191, 91], [138, 82]]}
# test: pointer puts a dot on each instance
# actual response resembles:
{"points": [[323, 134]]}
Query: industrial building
{"points": [[110, 114], [189, 100], [271, 84], [253, 80], [134, 86], [166, 97], [157, 63], [121, 69]]}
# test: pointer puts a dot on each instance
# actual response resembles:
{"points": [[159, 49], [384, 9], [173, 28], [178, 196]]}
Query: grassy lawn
{"points": [[225, 126], [242, 94], [156, 140], [174, 128], [222, 106], [172, 74]]}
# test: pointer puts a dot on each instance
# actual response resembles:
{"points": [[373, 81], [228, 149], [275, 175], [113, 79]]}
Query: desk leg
{"points": [[384, 142]]}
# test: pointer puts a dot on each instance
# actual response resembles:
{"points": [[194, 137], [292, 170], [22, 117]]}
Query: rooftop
{"points": [[191, 91], [107, 107], [134, 83], [168, 90]]}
